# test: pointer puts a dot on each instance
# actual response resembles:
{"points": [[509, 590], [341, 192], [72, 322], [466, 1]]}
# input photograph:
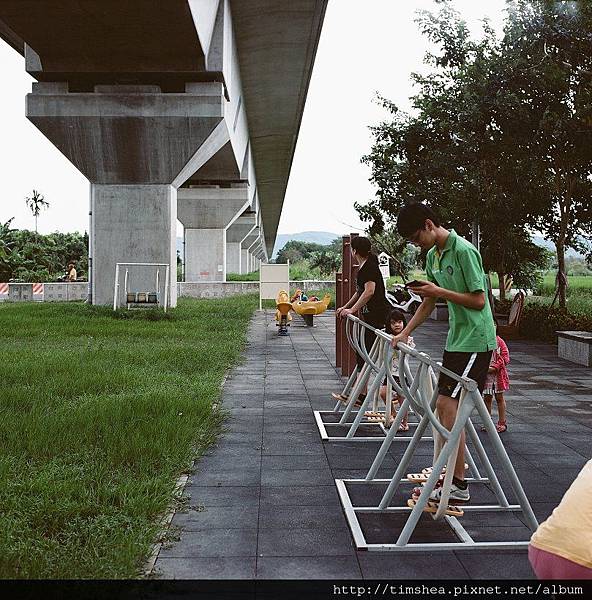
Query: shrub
{"points": [[540, 321]]}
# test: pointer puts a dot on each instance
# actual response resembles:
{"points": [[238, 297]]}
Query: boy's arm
{"points": [[474, 300]]}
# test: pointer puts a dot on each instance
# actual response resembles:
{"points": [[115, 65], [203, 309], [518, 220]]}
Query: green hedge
{"points": [[540, 321]]}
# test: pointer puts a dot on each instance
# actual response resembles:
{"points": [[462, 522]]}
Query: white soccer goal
{"points": [[144, 285]]}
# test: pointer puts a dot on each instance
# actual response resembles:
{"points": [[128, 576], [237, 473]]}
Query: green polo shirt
{"points": [[459, 268]]}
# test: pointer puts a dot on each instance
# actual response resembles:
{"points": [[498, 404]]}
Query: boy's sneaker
{"points": [[456, 494]]}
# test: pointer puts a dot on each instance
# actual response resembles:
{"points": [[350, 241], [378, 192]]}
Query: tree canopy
{"points": [[29, 256], [499, 133]]}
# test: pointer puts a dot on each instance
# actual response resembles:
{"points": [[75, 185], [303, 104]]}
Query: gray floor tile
{"points": [[411, 565], [206, 568], [496, 565], [304, 542], [223, 496], [305, 567], [213, 543], [199, 517], [301, 517]]}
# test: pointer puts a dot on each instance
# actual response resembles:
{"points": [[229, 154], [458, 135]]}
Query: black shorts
{"points": [[473, 365]]}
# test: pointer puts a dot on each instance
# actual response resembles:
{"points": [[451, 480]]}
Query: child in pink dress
{"points": [[497, 383]]}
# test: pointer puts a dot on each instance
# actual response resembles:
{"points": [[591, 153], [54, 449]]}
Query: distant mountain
{"points": [[540, 241], [317, 237]]}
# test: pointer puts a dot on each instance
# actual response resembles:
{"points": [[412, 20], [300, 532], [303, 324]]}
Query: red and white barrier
{"points": [[38, 292], [3, 291]]}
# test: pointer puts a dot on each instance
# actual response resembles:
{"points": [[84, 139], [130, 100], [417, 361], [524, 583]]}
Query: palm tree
{"points": [[36, 202]]}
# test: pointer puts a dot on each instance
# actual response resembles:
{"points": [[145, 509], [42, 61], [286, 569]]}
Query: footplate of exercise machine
{"points": [[368, 431], [376, 529]]}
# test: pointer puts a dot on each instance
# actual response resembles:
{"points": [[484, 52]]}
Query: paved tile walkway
{"points": [[263, 502]]}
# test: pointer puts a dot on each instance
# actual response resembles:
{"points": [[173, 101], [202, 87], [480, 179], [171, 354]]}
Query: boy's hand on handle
{"points": [[344, 312], [402, 337]]}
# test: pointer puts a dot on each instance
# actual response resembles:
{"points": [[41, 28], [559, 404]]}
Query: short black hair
{"points": [[361, 245], [412, 218], [394, 314]]}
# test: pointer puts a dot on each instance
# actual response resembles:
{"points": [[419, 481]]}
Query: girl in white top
{"points": [[395, 323]]}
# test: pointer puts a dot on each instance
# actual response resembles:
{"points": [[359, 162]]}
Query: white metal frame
{"points": [[445, 450], [374, 368], [167, 266]]}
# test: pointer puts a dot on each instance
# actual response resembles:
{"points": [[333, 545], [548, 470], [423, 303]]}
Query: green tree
{"points": [[548, 51], [403, 256], [30, 256], [295, 251], [497, 133], [36, 203], [327, 261]]}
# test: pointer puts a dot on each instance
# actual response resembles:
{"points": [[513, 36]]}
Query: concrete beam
{"points": [[211, 207], [206, 214], [131, 134]]}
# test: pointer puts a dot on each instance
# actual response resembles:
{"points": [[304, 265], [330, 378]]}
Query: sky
{"points": [[361, 52]]}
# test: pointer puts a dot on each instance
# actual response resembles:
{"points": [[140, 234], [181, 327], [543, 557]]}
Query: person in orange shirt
{"points": [[561, 548]]}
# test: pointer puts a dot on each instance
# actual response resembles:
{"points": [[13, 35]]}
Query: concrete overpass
{"points": [[187, 108]]}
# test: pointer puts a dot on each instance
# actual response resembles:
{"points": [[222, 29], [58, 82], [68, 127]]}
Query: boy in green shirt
{"points": [[455, 273]]}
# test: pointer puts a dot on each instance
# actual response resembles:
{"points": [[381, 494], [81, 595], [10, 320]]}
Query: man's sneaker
{"points": [[456, 494]]}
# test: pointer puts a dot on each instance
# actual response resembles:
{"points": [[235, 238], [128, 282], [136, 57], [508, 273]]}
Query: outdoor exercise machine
{"points": [[137, 299], [367, 422], [417, 384]]}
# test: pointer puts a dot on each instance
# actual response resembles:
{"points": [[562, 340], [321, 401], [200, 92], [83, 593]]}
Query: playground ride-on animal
{"points": [[282, 313], [309, 308]]}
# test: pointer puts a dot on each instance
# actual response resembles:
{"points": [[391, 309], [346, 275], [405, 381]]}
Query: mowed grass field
{"points": [[579, 290], [100, 414]]}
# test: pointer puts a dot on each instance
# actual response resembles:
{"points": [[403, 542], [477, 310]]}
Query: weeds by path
{"points": [[99, 415]]}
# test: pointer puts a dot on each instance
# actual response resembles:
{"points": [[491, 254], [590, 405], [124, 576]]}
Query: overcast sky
{"points": [[361, 52]]}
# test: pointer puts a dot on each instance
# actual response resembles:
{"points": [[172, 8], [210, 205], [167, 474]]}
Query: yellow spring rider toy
{"points": [[307, 308], [282, 313]]}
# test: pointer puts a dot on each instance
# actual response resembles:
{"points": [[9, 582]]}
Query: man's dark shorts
{"points": [[473, 365]]}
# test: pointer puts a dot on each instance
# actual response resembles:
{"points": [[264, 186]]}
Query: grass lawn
{"points": [[100, 415], [254, 276]]}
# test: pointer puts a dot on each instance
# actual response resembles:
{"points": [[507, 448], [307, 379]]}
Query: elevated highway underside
{"points": [[146, 97]]}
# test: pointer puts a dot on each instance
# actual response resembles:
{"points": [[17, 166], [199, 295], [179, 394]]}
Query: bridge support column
{"points": [[246, 250], [232, 257], [136, 146], [132, 223], [206, 213], [235, 234]]}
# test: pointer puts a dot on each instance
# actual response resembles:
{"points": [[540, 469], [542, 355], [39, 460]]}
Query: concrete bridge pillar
{"points": [[246, 250], [206, 213], [136, 145], [234, 237]]}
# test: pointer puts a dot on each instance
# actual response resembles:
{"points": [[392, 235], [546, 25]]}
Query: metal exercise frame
{"points": [[415, 387], [164, 304], [375, 368]]}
